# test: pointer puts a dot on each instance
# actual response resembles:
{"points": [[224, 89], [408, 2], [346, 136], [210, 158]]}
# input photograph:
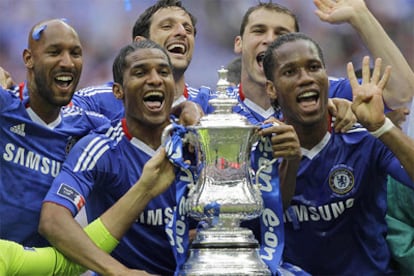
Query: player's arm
{"points": [[369, 109], [59, 227], [63, 232], [18, 260], [400, 87]]}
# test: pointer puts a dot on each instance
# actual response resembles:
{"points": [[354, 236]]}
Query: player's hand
{"points": [[285, 142], [368, 104], [6, 80], [339, 11], [342, 111], [189, 113], [158, 174]]}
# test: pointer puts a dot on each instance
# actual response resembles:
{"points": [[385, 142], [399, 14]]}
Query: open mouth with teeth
{"points": [[259, 59], [308, 99], [177, 48], [154, 100], [63, 81]]}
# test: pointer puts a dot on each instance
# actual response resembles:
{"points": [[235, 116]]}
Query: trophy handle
{"points": [[166, 133], [262, 167]]}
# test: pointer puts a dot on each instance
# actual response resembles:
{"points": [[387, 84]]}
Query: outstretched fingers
{"points": [[352, 78]]}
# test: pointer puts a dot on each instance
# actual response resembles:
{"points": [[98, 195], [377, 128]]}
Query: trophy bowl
{"points": [[224, 193]]}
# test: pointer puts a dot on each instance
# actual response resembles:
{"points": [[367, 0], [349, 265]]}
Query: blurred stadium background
{"points": [[106, 25]]}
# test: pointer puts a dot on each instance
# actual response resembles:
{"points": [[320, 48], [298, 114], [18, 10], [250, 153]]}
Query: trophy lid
{"points": [[223, 115], [223, 103]]}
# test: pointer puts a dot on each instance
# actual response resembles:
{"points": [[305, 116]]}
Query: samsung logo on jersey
{"points": [[156, 217], [31, 160], [325, 212]]}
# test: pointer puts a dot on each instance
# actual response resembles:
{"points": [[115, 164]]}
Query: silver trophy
{"points": [[224, 194]]}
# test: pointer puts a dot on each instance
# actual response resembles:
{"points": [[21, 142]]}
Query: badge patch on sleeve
{"points": [[72, 195]]}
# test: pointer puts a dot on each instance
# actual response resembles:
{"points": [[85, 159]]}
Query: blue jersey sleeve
{"points": [[202, 98], [78, 176], [100, 99], [6, 99], [340, 88], [388, 162], [397, 171]]}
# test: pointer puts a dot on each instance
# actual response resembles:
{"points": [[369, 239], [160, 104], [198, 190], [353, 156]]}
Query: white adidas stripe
{"points": [[96, 148]]}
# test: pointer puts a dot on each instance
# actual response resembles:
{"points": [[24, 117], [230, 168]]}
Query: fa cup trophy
{"points": [[224, 194]]}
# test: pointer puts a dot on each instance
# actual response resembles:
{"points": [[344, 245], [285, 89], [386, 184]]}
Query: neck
{"points": [[312, 134], [45, 110], [179, 85], [256, 93], [149, 134]]}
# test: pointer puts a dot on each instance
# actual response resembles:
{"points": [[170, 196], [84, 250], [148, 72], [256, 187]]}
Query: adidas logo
{"points": [[18, 129]]}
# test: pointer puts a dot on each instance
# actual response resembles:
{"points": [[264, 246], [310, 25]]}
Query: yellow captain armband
{"points": [[100, 235]]}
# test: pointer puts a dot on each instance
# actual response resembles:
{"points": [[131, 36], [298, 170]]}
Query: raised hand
{"points": [[368, 105], [339, 11]]}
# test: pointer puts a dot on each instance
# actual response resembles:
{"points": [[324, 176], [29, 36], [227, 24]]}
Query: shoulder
{"points": [[109, 135], [82, 116], [194, 92], [340, 88], [359, 139], [97, 144], [92, 91], [9, 101], [9, 94], [355, 135]]}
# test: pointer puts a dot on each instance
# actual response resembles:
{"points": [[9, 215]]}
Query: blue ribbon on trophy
{"points": [[178, 227]]}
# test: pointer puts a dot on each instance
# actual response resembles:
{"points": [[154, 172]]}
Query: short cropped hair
{"points": [[267, 6], [143, 23], [270, 58], [120, 64]]}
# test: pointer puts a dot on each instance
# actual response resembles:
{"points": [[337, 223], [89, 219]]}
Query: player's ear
{"points": [[271, 90], [237, 45], [28, 58], [139, 38], [118, 91]]}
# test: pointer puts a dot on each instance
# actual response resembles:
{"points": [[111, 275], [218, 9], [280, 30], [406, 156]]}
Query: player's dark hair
{"points": [[143, 23], [120, 63]]}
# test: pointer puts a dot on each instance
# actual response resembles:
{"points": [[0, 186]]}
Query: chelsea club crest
{"points": [[341, 179]]}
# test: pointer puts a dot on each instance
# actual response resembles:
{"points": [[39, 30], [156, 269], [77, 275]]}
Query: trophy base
{"points": [[228, 251]]}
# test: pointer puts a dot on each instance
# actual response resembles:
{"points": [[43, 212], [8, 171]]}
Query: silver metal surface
{"points": [[224, 194]]}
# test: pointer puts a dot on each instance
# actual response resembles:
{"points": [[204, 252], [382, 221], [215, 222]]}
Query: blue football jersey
{"points": [[335, 224], [340, 88], [101, 99], [99, 170], [247, 108], [306, 228], [32, 154]]}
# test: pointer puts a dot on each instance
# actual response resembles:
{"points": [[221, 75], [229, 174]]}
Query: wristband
{"points": [[387, 126]]}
